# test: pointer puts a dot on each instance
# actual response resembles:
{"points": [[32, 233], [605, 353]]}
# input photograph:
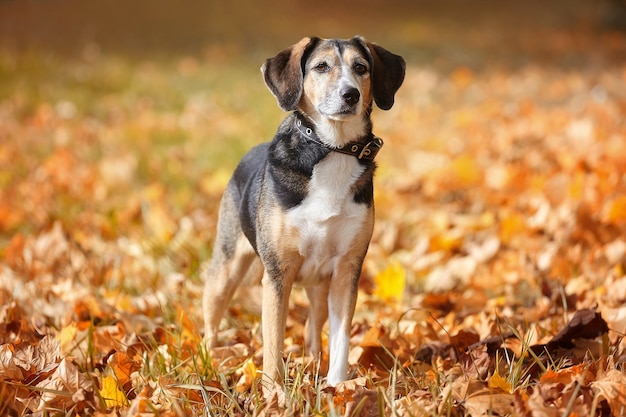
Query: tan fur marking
{"points": [[321, 100]]}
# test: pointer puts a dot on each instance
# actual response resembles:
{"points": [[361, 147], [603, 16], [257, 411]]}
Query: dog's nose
{"points": [[351, 96]]}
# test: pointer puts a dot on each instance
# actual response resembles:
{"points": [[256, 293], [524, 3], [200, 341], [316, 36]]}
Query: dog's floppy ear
{"points": [[387, 73], [284, 74]]}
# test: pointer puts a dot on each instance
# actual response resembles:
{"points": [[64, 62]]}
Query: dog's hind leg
{"points": [[232, 258], [222, 279]]}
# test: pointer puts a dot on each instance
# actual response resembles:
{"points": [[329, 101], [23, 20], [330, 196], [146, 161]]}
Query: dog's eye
{"points": [[322, 67], [360, 69]]}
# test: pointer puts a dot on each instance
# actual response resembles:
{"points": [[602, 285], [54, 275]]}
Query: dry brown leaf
{"points": [[464, 339], [8, 367], [611, 386], [364, 403], [585, 324], [230, 356], [275, 402], [59, 389]]}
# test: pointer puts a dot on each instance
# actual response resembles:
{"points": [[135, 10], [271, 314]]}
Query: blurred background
{"points": [[500, 192], [468, 32]]}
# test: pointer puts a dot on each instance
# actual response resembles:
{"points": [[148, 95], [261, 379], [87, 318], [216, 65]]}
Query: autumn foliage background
{"points": [[495, 281]]}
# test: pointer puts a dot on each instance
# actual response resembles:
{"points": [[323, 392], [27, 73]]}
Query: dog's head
{"points": [[334, 78]]}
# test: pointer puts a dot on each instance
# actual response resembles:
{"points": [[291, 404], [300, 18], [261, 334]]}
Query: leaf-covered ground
{"points": [[495, 283]]}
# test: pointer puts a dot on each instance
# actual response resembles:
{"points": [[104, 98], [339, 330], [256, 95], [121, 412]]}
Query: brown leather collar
{"points": [[365, 149]]}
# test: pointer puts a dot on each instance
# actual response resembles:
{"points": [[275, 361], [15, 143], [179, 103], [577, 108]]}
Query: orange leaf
{"points": [[123, 367], [189, 335], [496, 381], [615, 211], [562, 376], [511, 225], [372, 336]]}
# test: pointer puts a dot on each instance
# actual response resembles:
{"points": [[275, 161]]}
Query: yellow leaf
{"points": [[496, 381], [111, 393], [511, 225], [390, 283], [248, 375], [576, 187], [66, 337], [466, 171]]}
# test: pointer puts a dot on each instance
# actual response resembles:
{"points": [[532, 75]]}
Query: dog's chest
{"points": [[328, 219]]}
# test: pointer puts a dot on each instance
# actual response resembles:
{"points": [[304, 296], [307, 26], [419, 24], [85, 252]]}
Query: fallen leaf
{"points": [[614, 211], [8, 367], [249, 373], [611, 386], [390, 283], [364, 403], [496, 381], [466, 171], [512, 224], [123, 367], [111, 393], [275, 402], [585, 324], [67, 337]]}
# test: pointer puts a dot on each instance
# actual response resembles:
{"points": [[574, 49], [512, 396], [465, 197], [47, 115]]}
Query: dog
{"points": [[299, 210]]}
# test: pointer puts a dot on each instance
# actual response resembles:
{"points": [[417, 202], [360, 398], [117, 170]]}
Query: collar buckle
{"points": [[366, 152]]}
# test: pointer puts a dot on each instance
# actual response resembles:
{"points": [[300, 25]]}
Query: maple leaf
{"points": [[275, 402]]}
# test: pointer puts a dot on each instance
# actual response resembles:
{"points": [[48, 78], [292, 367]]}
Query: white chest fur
{"points": [[328, 219]]}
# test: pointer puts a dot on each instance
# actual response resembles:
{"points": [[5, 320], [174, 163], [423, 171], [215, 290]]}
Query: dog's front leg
{"points": [[318, 314], [276, 290], [341, 305]]}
